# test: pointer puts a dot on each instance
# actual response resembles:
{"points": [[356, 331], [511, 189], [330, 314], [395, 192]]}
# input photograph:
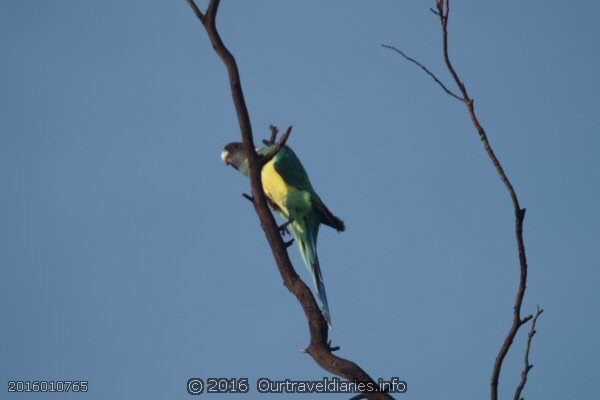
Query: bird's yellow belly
{"points": [[274, 186]]}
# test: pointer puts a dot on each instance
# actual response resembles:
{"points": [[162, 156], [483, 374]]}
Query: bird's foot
{"points": [[332, 348], [283, 228], [288, 243], [248, 197]]}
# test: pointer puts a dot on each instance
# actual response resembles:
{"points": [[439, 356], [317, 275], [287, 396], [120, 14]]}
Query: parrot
{"points": [[290, 193]]}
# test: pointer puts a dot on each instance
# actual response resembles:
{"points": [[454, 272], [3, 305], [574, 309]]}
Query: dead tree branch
{"points": [[274, 133], [424, 68], [528, 366], [442, 11], [277, 146], [319, 347]]}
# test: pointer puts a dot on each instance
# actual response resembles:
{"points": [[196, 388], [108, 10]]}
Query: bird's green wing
{"points": [[293, 173], [291, 170]]}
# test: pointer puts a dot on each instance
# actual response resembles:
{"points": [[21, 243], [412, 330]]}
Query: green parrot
{"points": [[290, 194]]}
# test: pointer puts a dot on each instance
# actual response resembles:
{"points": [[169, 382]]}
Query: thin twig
{"points": [[528, 366], [197, 11], [443, 12], [248, 197], [274, 132], [319, 347], [434, 11], [282, 141], [424, 68]]}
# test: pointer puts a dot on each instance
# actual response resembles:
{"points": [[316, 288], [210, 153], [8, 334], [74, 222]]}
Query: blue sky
{"points": [[128, 257]]}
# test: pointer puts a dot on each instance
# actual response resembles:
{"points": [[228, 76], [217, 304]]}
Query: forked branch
{"points": [[274, 132], [319, 347], [278, 146], [442, 11], [528, 366]]}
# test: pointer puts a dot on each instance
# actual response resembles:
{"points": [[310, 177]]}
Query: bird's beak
{"points": [[224, 156]]}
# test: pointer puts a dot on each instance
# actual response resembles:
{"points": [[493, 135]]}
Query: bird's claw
{"points": [[288, 243], [283, 229], [332, 348]]}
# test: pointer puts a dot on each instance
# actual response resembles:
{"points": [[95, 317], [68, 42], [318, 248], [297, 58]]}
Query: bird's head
{"points": [[233, 154]]}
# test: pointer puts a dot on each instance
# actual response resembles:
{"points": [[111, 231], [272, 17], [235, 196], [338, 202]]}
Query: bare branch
{"points": [[443, 12], [319, 347], [519, 212], [274, 133], [424, 68], [528, 366], [434, 11], [282, 141], [197, 11], [526, 319], [248, 197]]}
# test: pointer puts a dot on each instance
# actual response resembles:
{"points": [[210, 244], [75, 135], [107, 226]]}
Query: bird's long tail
{"points": [[306, 235]]}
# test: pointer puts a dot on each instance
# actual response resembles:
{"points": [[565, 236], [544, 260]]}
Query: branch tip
{"points": [[526, 319], [248, 197], [528, 367], [427, 71], [278, 146], [274, 133], [197, 11]]}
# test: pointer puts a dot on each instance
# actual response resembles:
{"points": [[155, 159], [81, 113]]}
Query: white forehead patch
{"points": [[224, 155]]}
